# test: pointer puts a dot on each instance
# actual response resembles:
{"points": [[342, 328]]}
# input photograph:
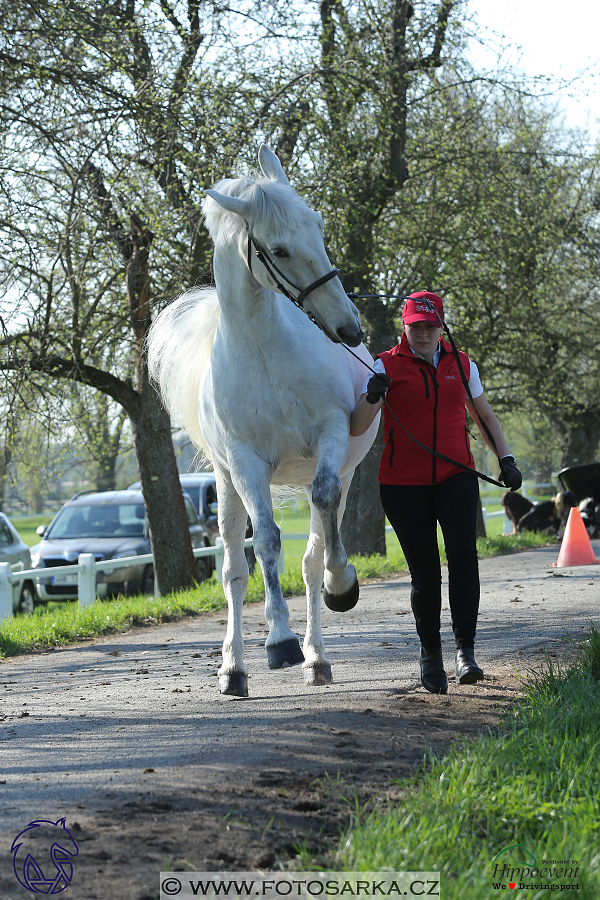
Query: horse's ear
{"points": [[231, 204], [270, 165]]}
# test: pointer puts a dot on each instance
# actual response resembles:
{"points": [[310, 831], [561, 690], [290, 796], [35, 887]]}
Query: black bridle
{"points": [[276, 275]]}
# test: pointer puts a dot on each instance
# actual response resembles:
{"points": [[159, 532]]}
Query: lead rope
{"points": [[430, 450], [272, 268]]}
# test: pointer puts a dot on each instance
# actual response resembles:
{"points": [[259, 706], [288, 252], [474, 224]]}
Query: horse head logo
{"points": [[42, 855], [518, 854]]}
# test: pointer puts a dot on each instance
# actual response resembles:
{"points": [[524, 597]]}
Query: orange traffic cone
{"points": [[576, 548]]}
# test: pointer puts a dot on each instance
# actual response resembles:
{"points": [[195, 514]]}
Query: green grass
{"points": [[26, 526], [298, 523], [535, 785]]}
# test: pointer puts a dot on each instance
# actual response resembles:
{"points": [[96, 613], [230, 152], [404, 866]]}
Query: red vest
{"points": [[430, 403]]}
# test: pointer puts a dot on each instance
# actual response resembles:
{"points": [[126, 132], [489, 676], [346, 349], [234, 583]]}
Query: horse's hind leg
{"points": [[233, 677], [329, 492], [316, 668]]}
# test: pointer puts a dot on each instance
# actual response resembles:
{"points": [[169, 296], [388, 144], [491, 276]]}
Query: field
{"points": [[292, 522]]}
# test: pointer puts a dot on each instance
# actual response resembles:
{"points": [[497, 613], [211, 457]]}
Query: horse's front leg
{"points": [[233, 677], [340, 591], [252, 481]]}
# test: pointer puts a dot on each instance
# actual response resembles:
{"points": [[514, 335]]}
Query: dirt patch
{"points": [[243, 818]]}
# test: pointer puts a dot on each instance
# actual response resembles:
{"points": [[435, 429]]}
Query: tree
{"points": [[500, 216], [376, 67], [101, 426], [114, 124], [66, 315]]}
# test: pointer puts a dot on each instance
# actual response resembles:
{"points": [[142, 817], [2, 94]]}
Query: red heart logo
{"points": [[511, 884]]}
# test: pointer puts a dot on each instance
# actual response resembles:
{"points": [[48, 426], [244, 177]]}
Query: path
{"points": [[128, 738]]}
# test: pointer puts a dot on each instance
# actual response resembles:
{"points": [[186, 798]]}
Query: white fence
{"points": [[86, 569]]}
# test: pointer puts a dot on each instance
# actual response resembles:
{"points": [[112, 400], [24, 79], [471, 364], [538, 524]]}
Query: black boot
{"points": [[433, 677], [467, 670]]}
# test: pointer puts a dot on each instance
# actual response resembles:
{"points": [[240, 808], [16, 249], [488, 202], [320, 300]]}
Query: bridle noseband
{"points": [[275, 273]]}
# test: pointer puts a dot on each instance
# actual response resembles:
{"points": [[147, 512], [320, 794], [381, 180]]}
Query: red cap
{"points": [[420, 307]]}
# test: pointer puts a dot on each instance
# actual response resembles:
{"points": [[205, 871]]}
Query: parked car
{"points": [[202, 488], [13, 551], [111, 525]]}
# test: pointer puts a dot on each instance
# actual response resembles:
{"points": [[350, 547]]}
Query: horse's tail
{"points": [[179, 344]]}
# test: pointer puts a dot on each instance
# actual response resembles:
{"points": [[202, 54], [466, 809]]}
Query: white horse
{"points": [[269, 394]]}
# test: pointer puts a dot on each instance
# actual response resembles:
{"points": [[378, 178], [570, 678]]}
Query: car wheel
{"points": [[26, 600], [148, 581], [203, 569]]}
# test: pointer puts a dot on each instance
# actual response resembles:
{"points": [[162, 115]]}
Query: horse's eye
{"points": [[280, 253]]}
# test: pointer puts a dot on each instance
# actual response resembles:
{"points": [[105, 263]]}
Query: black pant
{"points": [[413, 512]]}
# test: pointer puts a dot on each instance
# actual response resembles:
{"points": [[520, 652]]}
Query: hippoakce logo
{"points": [[516, 868], [42, 856]]}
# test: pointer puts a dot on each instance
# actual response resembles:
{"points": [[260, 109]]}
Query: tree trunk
{"points": [[363, 526], [580, 441], [104, 478], [5, 459], [169, 530]]}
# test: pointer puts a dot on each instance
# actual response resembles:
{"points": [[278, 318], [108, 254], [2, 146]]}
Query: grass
{"points": [[26, 526], [535, 785]]}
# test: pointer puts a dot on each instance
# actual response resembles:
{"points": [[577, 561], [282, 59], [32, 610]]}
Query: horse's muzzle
{"points": [[351, 336]]}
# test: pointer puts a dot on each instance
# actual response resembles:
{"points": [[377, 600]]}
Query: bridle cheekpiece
{"points": [[275, 273]]}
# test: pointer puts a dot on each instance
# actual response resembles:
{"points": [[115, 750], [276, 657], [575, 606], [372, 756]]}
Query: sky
{"points": [[556, 38]]}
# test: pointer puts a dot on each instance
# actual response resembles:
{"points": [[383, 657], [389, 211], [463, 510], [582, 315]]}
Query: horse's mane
{"points": [[272, 203], [181, 338]]}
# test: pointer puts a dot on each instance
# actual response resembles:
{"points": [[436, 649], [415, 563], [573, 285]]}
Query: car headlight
{"points": [[36, 560], [123, 554]]}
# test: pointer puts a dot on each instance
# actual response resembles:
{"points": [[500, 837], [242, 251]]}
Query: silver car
{"points": [[15, 552], [111, 525]]}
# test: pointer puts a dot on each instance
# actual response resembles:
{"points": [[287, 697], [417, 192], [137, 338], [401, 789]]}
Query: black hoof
{"points": [[235, 684], [286, 653], [342, 602]]}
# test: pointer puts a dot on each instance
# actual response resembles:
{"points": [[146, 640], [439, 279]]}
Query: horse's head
{"points": [[283, 239]]}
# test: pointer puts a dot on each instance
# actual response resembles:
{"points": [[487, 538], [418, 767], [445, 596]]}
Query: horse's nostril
{"points": [[351, 336]]}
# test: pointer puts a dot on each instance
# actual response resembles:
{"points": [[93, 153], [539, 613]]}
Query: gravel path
{"points": [[128, 738]]}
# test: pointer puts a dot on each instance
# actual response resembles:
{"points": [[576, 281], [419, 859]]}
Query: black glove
{"points": [[509, 473], [377, 387]]}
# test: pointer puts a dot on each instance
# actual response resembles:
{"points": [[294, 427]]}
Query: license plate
{"points": [[63, 579]]}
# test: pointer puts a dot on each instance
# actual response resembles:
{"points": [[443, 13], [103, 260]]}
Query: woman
{"points": [[548, 515], [422, 384], [515, 507]]}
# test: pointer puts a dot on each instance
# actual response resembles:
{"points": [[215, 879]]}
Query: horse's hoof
{"points": [[341, 602], [317, 674], [234, 683], [287, 653]]}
